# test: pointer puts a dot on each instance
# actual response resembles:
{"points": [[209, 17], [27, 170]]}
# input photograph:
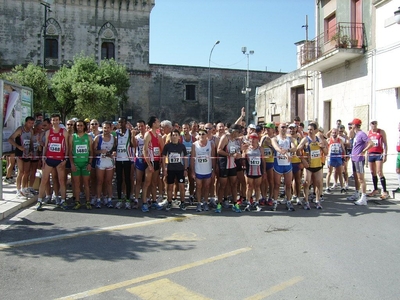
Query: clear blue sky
{"points": [[182, 32]]}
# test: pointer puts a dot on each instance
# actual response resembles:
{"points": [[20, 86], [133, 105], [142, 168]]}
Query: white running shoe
{"points": [[361, 201], [354, 197]]}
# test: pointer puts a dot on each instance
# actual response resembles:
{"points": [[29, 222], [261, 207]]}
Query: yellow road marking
{"points": [[182, 237], [276, 288], [164, 289], [86, 232], [122, 284]]}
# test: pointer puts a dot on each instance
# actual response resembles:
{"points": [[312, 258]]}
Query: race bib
{"points": [[232, 150], [35, 147], [174, 158], [27, 144], [140, 151], [55, 147], [335, 148], [81, 149], [202, 159], [188, 150], [283, 160], [156, 151], [376, 142], [255, 161], [315, 153], [267, 151], [121, 149]]}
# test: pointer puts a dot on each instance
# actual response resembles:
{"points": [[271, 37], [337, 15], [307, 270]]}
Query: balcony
{"points": [[343, 42]]}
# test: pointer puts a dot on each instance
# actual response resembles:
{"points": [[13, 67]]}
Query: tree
{"points": [[36, 78], [87, 89]]}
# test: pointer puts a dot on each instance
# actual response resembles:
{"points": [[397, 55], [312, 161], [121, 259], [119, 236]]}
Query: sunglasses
{"points": [[70, 124], [202, 133], [373, 123], [94, 124], [207, 128], [79, 125], [283, 127]]}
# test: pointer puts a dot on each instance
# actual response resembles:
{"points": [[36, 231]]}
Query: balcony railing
{"points": [[344, 35]]}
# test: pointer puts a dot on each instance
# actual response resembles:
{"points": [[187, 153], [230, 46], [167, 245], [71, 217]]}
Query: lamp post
{"points": [[246, 90], [209, 83], [46, 4], [397, 16]]}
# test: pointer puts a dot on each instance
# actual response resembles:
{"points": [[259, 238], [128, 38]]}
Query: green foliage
{"points": [[34, 77], [87, 89]]}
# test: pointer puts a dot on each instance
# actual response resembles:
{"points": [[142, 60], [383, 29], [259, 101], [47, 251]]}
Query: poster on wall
{"points": [[17, 104]]}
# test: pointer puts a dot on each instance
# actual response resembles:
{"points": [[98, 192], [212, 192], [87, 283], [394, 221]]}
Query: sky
{"points": [[183, 32]]}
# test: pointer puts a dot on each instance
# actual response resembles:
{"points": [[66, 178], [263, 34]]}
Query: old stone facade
{"points": [[50, 33]]}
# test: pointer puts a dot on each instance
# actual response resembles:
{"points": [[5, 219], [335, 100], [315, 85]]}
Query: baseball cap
{"points": [[87, 120], [258, 128], [356, 122], [202, 130], [292, 125], [270, 125], [252, 126]]}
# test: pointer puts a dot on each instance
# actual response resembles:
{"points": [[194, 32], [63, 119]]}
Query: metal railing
{"points": [[343, 35]]}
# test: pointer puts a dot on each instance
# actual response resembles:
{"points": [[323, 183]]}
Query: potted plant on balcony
{"points": [[354, 43], [341, 40]]}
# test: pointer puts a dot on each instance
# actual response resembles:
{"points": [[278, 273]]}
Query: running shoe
{"points": [[397, 190], [294, 199], [270, 202], [56, 200], [198, 207], [384, 196], [63, 205], [93, 201], [284, 201], [145, 207], [225, 204], [299, 202], [8, 180], [361, 201], [182, 206], [128, 205], [343, 191], [333, 186], [33, 191], [168, 207], [119, 204], [191, 199], [236, 208], [354, 197], [39, 205], [98, 203], [307, 206], [88, 205], [205, 206], [321, 199], [77, 205], [373, 193], [109, 203], [318, 205], [135, 204], [262, 201], [328, 191], [247, 208], [46, 199], [256, 206], [289, 206], [274, 206], [213, 203], [219, 208]]}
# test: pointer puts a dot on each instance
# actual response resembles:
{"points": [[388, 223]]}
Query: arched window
{"points": [[107, 50]]}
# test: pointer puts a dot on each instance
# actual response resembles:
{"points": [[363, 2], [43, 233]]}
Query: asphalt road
{"points": [[341, 252]]}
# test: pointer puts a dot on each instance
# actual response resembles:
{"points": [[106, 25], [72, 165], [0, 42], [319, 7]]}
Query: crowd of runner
{"points": [[221, 166]]}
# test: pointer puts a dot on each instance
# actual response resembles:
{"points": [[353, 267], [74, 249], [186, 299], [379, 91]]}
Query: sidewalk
{"points": [[10, 203]]}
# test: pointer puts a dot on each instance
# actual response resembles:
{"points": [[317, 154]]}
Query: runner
{"points": [[187, 140], [336, 152], [81, 153], [297, 166], [211, 193], [93, 132], [140, 163], [123, 162], [152, 149], [313, 146], [175, 167], [377, 156], [283, 146], [54, 157], [228, 150], [36, 154], [21, 140], [255, 171], [203, 162], [267, 186], [104, 145]]}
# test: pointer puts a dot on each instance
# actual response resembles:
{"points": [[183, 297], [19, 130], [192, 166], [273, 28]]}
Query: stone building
{"points": [[51, 32]]}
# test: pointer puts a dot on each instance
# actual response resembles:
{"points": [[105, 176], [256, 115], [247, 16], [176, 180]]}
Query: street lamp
{"points": [[209, 84], [397, 16], [46, 4], [246, 90]]}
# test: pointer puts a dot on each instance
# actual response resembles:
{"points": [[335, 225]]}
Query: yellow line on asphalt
{"points": [[276, 288], [87, 232], [164, 289], [126, 283]]}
